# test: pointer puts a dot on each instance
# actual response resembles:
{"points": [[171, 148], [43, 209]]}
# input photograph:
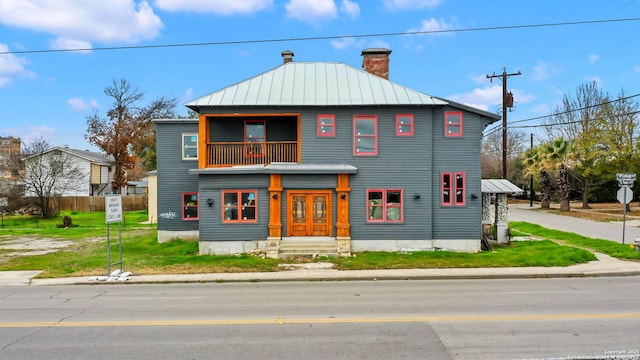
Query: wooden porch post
{"points": [[342, 221], [275, 206]]}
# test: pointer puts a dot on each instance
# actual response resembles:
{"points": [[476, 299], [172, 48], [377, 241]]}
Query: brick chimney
{"points": [[287, 56], [376, 62]]}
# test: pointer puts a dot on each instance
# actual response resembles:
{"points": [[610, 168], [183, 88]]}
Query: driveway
{"points": [[609, 231]]}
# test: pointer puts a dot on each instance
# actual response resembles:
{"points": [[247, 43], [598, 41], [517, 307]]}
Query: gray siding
{"points": [[411, 163], [212, 228], [173, 175], [458, 155]]}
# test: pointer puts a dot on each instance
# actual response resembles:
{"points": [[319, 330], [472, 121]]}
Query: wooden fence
{"points": [[96, 203]]}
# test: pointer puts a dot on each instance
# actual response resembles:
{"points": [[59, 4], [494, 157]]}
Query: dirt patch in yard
{"points": [[11, 246]]}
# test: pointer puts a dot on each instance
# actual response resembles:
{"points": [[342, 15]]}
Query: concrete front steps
{"points": [[308, 246]]}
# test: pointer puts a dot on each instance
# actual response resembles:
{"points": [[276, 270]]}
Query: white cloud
{"points": [[637, 69], [479, 79], [312, 12], [593, 58], [411, 4], [84, 20], [343, 43], [434, 25], [79, 104], [481, 98], [11, 66], [350, 8], [489, 98], [65, 43], [220, 7], [543, 70], [188, 94]]}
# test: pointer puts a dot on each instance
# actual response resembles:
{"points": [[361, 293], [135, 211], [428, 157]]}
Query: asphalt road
{"points": [[599, 230], [442, 319]]}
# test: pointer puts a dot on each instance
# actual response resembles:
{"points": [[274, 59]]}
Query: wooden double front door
{"points": [[309, 213]]}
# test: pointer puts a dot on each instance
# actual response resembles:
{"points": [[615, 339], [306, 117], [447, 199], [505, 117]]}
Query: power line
{"points": [[257, 41], [499, 127]]}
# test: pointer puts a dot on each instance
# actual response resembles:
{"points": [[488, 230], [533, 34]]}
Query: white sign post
{"points": [[113, 208], [113, 213], [625, 195]]}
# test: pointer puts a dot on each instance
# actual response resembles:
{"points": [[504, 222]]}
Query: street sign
{"points": [[624, 195], [626, 179], [113, 208]]}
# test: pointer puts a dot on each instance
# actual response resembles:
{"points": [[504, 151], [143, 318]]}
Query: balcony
{"points": [[221, 154]]}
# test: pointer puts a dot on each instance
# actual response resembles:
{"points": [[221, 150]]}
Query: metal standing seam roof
{"points": [[314, 84], [499, 186]]}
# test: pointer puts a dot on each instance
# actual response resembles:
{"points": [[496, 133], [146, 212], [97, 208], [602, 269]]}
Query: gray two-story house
{"points": [[315, 154]]}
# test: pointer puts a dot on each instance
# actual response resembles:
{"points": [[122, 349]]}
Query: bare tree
{"points": [[46, 173], [492, 154], [127, 130]]}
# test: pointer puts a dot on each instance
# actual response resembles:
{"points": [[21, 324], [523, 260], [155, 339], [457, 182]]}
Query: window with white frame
{"points": [[189, 146]]}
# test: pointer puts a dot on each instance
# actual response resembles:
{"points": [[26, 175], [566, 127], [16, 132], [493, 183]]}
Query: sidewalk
{"points": [[604, 266]]}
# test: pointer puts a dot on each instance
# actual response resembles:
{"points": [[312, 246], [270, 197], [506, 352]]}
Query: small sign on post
{"points": [[113, 214], [626, 179], [625, 195], [113, 208]]}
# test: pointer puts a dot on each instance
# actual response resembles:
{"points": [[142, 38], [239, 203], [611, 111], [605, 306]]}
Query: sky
{"points": [[57, 57]]}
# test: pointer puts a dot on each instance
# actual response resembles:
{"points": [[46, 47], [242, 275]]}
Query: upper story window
{"points": [[239, 206], [190, 206], [453, 189], [384, 205], [326, 125], [404, 125], [365, 135], [453, 124], [189, 146], [254, 137]]}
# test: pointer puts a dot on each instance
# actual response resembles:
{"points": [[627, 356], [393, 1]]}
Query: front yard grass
{"points": [[142, 254]]}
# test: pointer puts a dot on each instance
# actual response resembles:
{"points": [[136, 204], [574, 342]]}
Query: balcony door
{"points": [[309, 213], [254, 137]]}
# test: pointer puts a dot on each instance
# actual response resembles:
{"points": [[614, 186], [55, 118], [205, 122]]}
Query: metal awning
{"points": [[281, 168], [500, 186]]}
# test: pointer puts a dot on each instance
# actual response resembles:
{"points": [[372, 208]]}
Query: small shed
{"points": [[495, 191]]}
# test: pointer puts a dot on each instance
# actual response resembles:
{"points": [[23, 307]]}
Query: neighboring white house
{"points": [[89, 173]]}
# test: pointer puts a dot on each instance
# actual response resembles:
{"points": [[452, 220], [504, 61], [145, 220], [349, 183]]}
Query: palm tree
{"points": [[556, 158]]}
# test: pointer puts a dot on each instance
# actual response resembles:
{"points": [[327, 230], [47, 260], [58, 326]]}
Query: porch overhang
{"points": [[279, 168]]}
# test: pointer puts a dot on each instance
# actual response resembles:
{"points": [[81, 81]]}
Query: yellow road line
{"points": [[283, 321]]}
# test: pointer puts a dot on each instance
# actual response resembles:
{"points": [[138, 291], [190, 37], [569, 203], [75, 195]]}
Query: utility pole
{"points": [[507, 102], [531, 192]]}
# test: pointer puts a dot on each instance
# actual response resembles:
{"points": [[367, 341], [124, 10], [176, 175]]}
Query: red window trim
{"points": [[240, 219], [374, 136], [453, 189], [185, 206], [447, 125], [398, 125], [385, 207], [332, 125], [464, 188], [443, 189]]}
